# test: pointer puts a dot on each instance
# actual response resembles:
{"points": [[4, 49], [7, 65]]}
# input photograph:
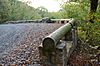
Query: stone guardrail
{"points": [[58, 46]]}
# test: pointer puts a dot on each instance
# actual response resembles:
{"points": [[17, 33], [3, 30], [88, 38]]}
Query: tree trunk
{"points": [[93, 8]]}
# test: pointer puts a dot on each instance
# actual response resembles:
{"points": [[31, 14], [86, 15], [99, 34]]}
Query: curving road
{"points": [[19, 42]]}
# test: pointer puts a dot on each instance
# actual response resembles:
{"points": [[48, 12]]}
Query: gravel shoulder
{"points": [[19, 42]]}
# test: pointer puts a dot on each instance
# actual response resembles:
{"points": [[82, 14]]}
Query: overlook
{"points": [[49, 32]]}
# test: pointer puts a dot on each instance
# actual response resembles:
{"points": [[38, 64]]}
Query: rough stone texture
{"points": [[59, 55]]}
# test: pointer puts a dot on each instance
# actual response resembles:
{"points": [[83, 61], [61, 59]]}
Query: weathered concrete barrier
{"points": [[24, 21], [62, 21], [57, 47]]}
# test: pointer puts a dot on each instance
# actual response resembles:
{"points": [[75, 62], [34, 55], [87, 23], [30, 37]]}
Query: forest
{"points": [[17, 10], [85, 12]]}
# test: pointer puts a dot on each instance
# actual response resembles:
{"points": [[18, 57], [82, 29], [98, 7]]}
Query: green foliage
{"points": [[55, 15], [21, 11], [89, 34], [17, 10], [43, 12], [74, 10], [4, 10]]}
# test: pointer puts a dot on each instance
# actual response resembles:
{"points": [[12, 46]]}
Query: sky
{"points": [[50, 5]]}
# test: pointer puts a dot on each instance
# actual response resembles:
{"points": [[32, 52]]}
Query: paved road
{"points": [[19, 42], [11, 35]]}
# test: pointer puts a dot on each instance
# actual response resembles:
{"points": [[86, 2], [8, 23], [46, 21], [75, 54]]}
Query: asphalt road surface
{"points": [[19, 42]]}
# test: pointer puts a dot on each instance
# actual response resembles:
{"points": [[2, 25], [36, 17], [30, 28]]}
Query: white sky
{"points": [[51, 5]]}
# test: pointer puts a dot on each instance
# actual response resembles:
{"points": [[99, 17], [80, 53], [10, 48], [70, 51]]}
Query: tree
{"points": [[74, 10], [42, 11], [4, 10], [93, 8], [21, 11], [55, 15]]}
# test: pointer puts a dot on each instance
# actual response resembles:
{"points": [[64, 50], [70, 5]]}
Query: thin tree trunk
{"points": [[93, 8]]}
